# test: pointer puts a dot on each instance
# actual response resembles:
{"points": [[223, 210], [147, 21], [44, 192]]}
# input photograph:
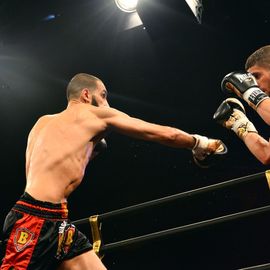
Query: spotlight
{"points": [[197, 8], [127, 5]]}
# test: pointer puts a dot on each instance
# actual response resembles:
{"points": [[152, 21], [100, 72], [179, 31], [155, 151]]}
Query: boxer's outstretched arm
{"points": [[202, 147], [139, 129]]}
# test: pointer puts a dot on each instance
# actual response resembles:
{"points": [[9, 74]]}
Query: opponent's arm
{"points": [[231, 114], [263, 110], [258, 146]]}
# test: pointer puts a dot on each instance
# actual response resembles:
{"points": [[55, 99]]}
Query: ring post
{"points": [[96, 234], [267, 175]]}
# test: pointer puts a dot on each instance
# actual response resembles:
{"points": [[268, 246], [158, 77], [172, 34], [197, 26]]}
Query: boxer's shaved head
{"points": [[78, 83]]}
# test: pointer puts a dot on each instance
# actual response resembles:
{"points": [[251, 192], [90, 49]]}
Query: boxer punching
{"points": [[37, 231]]}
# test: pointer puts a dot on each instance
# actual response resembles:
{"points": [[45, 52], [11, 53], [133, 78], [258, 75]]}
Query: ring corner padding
{"points": [[267, 175], [96, 234]]}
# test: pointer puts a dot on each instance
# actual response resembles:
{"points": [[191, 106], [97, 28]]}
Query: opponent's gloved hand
{"points": [[232, 115], [244, 85], [206, 151]]}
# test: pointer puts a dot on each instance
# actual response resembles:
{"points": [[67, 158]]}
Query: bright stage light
{"points": [[127, 5], [197, 8]]}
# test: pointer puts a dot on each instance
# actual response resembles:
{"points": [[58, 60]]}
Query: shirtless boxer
{"points": [[253, 86], [38, 234]]}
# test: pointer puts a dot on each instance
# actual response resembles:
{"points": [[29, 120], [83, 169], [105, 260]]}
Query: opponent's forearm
{"points": [[264, 111], [258, 146]]}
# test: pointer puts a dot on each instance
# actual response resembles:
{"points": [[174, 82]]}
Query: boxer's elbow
{"points": [[265, 159], [264, 156], [268, 122], [266, 119]]}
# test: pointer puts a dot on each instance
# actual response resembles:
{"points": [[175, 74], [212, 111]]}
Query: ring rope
{"points": [[257, 267], [185, 228], [181, 195]]}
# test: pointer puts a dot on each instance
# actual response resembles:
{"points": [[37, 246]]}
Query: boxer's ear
{"points": [[86, 96]]}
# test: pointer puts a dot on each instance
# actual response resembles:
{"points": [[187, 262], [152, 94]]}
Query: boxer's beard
{"points": [[94, 102]]}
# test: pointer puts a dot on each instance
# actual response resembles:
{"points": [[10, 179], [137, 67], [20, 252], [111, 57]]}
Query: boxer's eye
{"points": [[104, 94], [256, 75]]}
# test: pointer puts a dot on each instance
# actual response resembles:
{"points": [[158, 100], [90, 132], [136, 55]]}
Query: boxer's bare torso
{"points": [[58, 150], [60, 146]]}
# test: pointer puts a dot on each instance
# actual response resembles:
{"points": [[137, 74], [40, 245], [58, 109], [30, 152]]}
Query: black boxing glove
{"points": [[100, 147], [244, 85], [231, 114]]}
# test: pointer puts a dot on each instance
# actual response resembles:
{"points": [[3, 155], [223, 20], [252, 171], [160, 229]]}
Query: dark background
{"points": [[166, 71]]}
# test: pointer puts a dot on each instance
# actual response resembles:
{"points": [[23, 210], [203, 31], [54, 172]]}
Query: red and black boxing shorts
{"points": [[38, 236]]}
